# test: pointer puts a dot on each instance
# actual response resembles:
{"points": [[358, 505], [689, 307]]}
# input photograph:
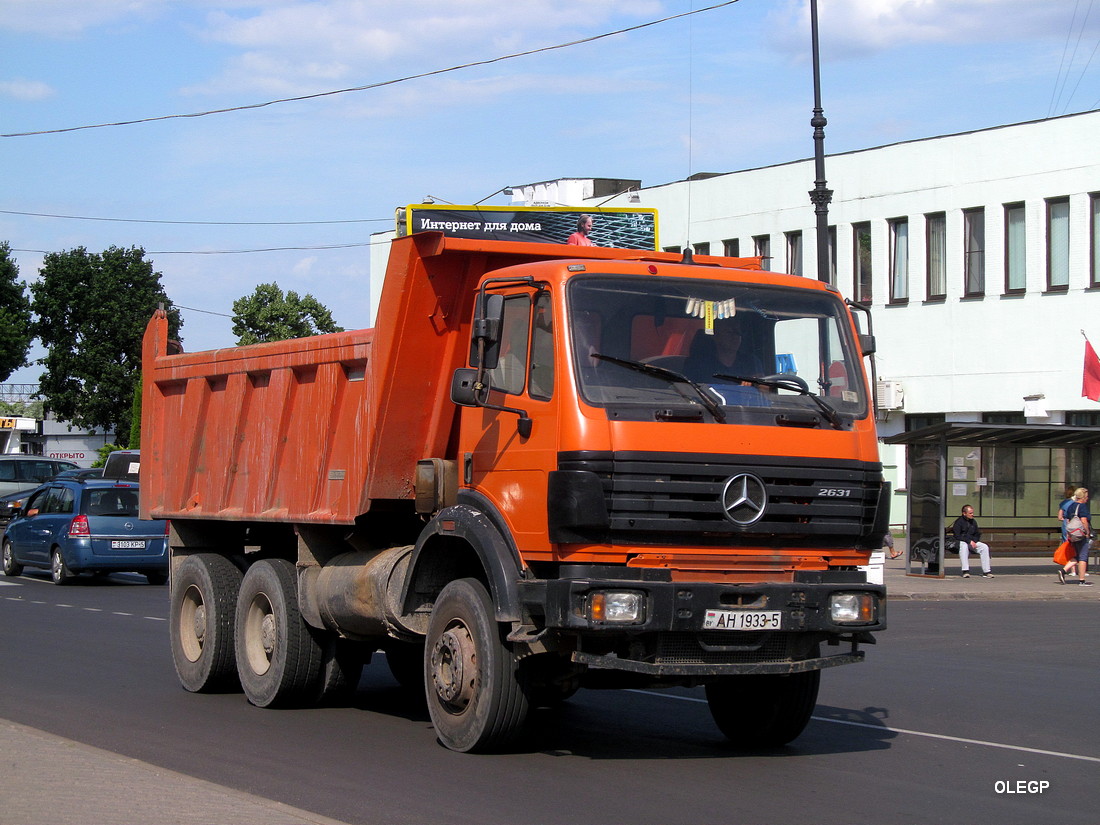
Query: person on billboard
{"points": [[580, 237]]}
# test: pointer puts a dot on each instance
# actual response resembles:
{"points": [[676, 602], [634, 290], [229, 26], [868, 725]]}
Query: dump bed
{"points": [[313, 430]]}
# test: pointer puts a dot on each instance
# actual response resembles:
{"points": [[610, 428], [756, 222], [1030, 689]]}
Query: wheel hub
{"points": [[454, 667], [198, 624], [267, 633]]}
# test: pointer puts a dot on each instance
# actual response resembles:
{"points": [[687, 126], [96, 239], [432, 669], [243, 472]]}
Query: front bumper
{"points": [[671, 641]]}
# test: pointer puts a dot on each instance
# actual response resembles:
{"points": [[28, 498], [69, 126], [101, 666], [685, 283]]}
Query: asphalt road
{"points": [[959, 704]]}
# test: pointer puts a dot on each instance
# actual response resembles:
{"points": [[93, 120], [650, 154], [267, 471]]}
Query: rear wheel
{"points": [[278, 656], [11, 566], [766, 710], [59, 571], [203, 601], [475, 698]]}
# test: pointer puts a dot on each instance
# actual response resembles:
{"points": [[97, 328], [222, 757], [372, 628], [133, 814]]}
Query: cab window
{"points": [[541, 383], [511, 369]]}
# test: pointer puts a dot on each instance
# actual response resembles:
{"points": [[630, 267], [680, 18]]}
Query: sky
{"points": [[291, 192]]}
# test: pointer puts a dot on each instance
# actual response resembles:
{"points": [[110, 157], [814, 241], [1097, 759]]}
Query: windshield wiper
{"points": [[673, 377], [793, 386]]}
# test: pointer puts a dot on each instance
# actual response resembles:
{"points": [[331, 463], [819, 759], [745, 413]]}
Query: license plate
{"points": [[125, 544], [743, 619]]}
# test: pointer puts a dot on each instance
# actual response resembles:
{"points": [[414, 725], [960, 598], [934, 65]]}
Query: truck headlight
{"points": [[619, 606], [853, 608]]}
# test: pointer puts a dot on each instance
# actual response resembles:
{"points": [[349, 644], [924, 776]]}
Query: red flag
{"points": [[1090, 387]]}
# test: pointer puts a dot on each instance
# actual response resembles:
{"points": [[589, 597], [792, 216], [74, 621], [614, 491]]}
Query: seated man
{"points": [[969, 535]]}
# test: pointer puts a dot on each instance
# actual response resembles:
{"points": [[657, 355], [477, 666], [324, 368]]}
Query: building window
{"points": [[701, 248], [762, 248], [899, 261], [935, 227], [1078, 418], [794, 253], [1094, 240], [1058, 244], [922, 420], [675, 249], [1015, 249], [861, 238], [731, 248], [973, 252], [1003, 418]]}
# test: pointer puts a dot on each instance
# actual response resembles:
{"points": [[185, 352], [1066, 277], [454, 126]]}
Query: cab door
{"points": [[497, 462]]}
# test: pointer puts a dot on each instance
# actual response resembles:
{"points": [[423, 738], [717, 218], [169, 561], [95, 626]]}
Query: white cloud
{"points": [[298, 47], [66, 18], [20, 89], [850, 27]]}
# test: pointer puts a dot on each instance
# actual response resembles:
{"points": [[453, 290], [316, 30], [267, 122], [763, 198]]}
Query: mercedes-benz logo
{"points": [[744, 498]]}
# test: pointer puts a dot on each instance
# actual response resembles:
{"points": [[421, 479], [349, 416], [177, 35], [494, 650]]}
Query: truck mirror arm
{"points": [[469, 390]]}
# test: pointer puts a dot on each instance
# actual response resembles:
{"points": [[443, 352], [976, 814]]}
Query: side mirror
{"points": [[488, 322], [867, 344], [462, 387]]}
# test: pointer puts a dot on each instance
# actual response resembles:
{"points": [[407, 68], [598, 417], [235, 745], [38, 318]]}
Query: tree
{"points": [[91, 314], [15, 316], [269, 315]]}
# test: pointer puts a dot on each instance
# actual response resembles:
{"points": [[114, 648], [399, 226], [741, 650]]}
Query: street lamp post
{"points": [[821, 195]]}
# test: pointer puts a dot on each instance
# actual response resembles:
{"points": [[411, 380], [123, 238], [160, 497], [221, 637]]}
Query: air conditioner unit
{"points": [[889, 395]]}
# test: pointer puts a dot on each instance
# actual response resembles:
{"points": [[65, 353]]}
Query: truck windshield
{"points": [[746, 353]]}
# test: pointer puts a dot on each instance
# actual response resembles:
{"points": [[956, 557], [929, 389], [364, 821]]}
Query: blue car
{"points": [[77, 526]]}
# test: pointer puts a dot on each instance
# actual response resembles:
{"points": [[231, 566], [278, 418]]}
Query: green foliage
{"points": [[135, 417], [91, 314], [269, 315], [22, 409], [105, 451], [15, 316]]}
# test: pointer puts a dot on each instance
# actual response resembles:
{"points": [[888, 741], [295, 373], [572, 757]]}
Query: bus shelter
{"points": [[1013, 475]]}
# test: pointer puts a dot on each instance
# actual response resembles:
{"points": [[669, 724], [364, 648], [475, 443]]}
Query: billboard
{"points": [[624, 228]]}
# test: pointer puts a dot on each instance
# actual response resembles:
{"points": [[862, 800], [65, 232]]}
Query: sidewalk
{"points": [[1016, 579], [49, 780]]}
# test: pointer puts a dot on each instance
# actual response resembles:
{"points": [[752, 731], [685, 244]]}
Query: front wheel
{"points": [[766, 710], [475, 698], [11, 566], [200, 623], [278, 657]]}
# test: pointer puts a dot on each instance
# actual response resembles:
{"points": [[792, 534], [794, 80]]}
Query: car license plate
{"points": [[743, 619], [127, 544]]}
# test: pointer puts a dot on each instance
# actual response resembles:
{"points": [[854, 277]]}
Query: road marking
{"points": [[94, 609], [155, 618], [887, 729]]}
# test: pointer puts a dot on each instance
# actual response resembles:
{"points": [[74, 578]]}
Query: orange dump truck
{"points": [[545, 468]]}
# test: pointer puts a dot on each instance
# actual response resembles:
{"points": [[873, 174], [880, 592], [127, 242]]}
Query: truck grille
{"points": [[663, 498], [725, 648]]}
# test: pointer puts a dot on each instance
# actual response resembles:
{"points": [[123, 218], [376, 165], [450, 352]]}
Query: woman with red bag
{"points": [[1079, 534]]}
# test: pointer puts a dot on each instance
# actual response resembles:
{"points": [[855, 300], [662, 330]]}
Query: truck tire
{"points": [[278, 656], [11, 566], [766, 710], [200, 624], [475, 698]]}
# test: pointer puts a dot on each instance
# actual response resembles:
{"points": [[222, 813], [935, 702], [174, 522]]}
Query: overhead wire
{"points": [[193, 223]]}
